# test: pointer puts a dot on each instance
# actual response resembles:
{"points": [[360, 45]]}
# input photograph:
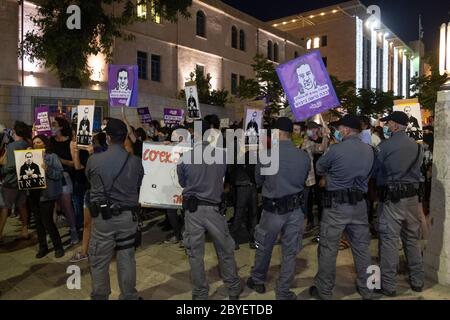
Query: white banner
{"points": [[85, 125], [160, 187], [30, 169]]}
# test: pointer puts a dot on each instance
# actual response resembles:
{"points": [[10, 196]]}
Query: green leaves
{"points": [[102, 21]]}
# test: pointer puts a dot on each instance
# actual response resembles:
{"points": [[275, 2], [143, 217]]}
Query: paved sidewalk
{"points": [[163, 271]]}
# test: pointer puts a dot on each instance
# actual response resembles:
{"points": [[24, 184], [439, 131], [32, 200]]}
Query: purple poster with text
{"points": [[144, 115], [307, 85], [42, 121], [173, 116], [123, 85]]}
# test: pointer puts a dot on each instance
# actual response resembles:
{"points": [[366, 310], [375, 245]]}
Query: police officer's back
{"points": [[202, 196], [282, 201], [115, 177], [398, 175], [347, 167]]}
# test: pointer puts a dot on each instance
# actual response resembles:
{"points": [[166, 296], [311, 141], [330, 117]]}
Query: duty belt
{"points": [[348, 196], [397, 192], [283, 205]]}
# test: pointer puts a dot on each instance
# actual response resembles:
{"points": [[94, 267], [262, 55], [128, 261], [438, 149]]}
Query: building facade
{"points": [[356, 45]]}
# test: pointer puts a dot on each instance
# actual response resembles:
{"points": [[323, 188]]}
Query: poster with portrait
{"points": [[85, 125], [224, 123], [173, 116], [42, 121], [30, 169], [412, 109], [160, 187], [123, 85], [252, 125], [307, 85], [192, 102], [144, 115]]}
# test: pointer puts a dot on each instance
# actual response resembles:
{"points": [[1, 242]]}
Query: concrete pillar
{"points": [[437, 251]]}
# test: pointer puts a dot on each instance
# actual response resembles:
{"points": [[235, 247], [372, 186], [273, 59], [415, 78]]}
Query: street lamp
{"points": [[444, 54]]}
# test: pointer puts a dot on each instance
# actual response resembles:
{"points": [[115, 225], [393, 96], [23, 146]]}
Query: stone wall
{"points": [[437, 252], [16, 103]]}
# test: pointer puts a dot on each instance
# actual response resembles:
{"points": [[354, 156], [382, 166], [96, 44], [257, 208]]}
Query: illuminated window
{"points": [[201, 24], [234, 37], [308, 44], [141, 9], [275, 52], [316, 43], [156, 16], [269, 50], [242, 40]]}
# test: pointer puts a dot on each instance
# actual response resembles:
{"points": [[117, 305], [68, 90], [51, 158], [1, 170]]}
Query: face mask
{"points": [[309, 133], [338, 136], [103, 127], [386, 132]]}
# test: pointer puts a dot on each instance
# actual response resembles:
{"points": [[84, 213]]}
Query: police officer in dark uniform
{"points": [[398, 176], [282, 202], [203, 186], [347, 167], [115, 177]]}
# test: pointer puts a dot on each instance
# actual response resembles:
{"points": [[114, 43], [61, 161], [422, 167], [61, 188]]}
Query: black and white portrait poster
{"points": [[252, 125], [30, 169], [85, 124], [412, 109], [192, 103]]}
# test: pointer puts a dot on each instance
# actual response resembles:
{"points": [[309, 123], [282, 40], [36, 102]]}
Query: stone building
{"points": [[358, 46], [217, 38]]}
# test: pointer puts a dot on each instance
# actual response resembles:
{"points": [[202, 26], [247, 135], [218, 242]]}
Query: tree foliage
{"points": [[66, 51], [205, 93]]}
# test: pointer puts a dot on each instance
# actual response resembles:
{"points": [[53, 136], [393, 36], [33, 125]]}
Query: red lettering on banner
{"points": [[162, 156], [145, 155], [177, 199]]}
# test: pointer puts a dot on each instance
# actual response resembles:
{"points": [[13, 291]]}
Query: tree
{"points": [[427, 87], [66, 51], [346, 92], [265, 85], [205, 94]]}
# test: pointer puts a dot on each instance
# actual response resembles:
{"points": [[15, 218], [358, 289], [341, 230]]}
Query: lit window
{"points": [[156, 16], [142, 9], [316, 43], [308, 44]]}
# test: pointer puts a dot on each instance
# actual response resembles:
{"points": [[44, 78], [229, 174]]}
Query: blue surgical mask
{"points": [[338, 136], [386, 132]]}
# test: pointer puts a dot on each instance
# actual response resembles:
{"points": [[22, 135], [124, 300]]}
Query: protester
{"points": [[11, 196], [43, 201], [378, 136], [60, 140]]}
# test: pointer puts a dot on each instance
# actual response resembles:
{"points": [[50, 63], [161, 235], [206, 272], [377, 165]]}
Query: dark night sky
{"points": [[401, 16]]}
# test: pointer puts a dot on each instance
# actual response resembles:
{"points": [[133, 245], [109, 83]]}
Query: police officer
{"points": [[115, 177], [203, 185], [398, 173], [282, 200], [347, 167]]}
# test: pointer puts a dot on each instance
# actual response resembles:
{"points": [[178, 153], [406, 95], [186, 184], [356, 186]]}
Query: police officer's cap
{"points": [[349, 121], [398, 117], [116, 128], [284, 124]]}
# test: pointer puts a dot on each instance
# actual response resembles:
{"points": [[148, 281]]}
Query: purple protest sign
{"points": [[123, 85], [42, 121], [307, 85], [144, 115], [173, 116]]}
